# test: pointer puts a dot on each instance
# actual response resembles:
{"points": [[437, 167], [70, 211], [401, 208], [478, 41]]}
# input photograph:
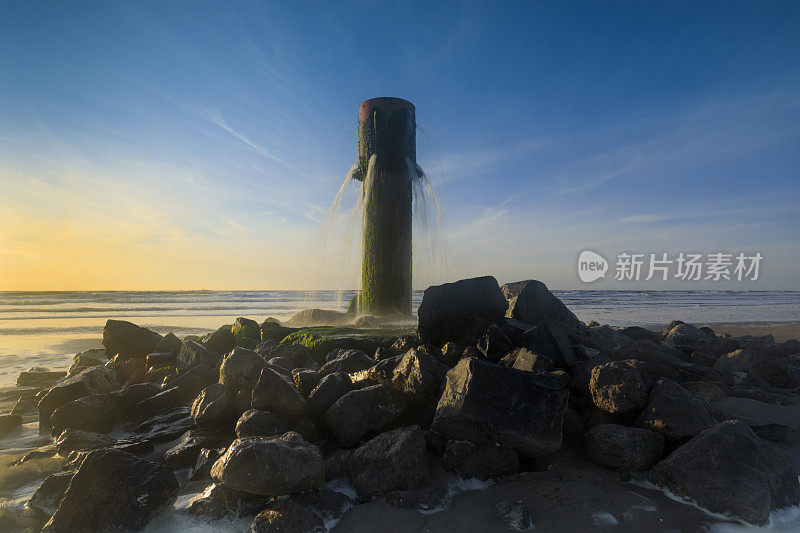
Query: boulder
{"points": [[730, 470], [305, 380], [39, 377], [347, 361], [418, 375], [255, 423], [485, 403], [675, 412], [9, 423], [127, 398], [608, 339], [287, 516], [240, 369], [778, 423], [94, 380], [114, 490], [49, 494], [158, 360], [184, 453], [685, 337], [221, 341], [581, 374], [528, 361], [169, 343], [551, 340], [214, 407], [330, 388], [193, 353], [404, 343], [205, 460], [619, 387], [272, 330], [164, 427], [447, 311], [270, 466], [246, 332], [623, 448], [451, 353], [710, 392], [395, 460], [531, 302], [128, 340], [362, 412], [699, 357], [219, 502], [96, 412], [482, 461], [276, 393], [494, 344], [76, 439], [85, 360]]}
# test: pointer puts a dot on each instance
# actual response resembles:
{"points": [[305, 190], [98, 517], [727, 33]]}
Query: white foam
{"points": [[604, 519]]}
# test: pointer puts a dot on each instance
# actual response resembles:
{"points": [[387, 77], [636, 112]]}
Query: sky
{"points": [[190, 145]]}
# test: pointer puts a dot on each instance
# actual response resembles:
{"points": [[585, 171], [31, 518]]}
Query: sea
{"points": [[46, 329]]}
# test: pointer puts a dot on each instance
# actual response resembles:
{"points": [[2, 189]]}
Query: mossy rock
{"points": [[322, 339], [247, 342], [271, 330], [317, 344], [245, 331]]}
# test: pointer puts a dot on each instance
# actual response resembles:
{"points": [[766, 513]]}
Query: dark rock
{"points": [[9, 423], [161, 403], [219, 502], [330, 388], [246, 332], [287, 516], [161, 359], [550, 340], [451, 353], [638, 333], [168, 344], [114, 490], [623, 448], [205, 460], [221, 341], [193, 353], [404, 343], [619, 387], [710, 392], [494, 344], [482, 461], [276, 393], [270, 466], [383, 353], [297, 353], [685, 337], [25, 404], [528, 361], [49, 494], [485, 403], [75, 439], [308, 429], [675, 412], [699, 357], [305, 380], [126, 399], [448, 311], [39, 377], [337, 464], [729, 470], [213, 407], [771, 422], [515, 515], [272, 330], [96, 412], [184, 453], [347, 361], [531, 302], [282, 362], [94, 380], [417, 375], [574, 426], [328, 504], [608, 339], [581, 374], [164, 427], [128, 340], [362, 412], [395, 460], [85, 360], [255, 423]]}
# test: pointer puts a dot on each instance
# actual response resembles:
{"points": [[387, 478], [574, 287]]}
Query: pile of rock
{"points": [[495, 378]]}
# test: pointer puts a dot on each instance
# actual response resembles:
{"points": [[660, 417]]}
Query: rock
{"points": [[482, 461], [221, 341], [193, 353], [347, 361], [184, 453], [336, 465], [531, 302], [270, 466], [75, 439], [771, 422], [287, 516], [276, 393], [213, 407], [305, 380], [39, 377], [729, 470], [528, 361], [283, 362], [182, 391], [551, 340], [581, 374], [395, 460], [126, 399], [404, 343], [515, 515], [297, 353], [128, 340], [246, 332], [164, 427], [169, 343], [608, 339], [638, 333], [85, 360], [308, 429], [318, 317], [447, 311], [255, 423], [50, 492], [451, 353], [219, 502], [161, 359], [205, 460], [383, 353], [25, 404], [329, 504], [9, 423], [619, 388], [675, 412], [417, 375], [114, 490], [330, 388], [699, 357], [623, 448], [362, 412], [486, 403], [96, 412], [685, 337], [272, 330], [710, 392], [94, 380], [494, 344]]}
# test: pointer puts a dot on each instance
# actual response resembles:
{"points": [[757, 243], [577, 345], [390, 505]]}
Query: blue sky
{"points": [[199, 144]]}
